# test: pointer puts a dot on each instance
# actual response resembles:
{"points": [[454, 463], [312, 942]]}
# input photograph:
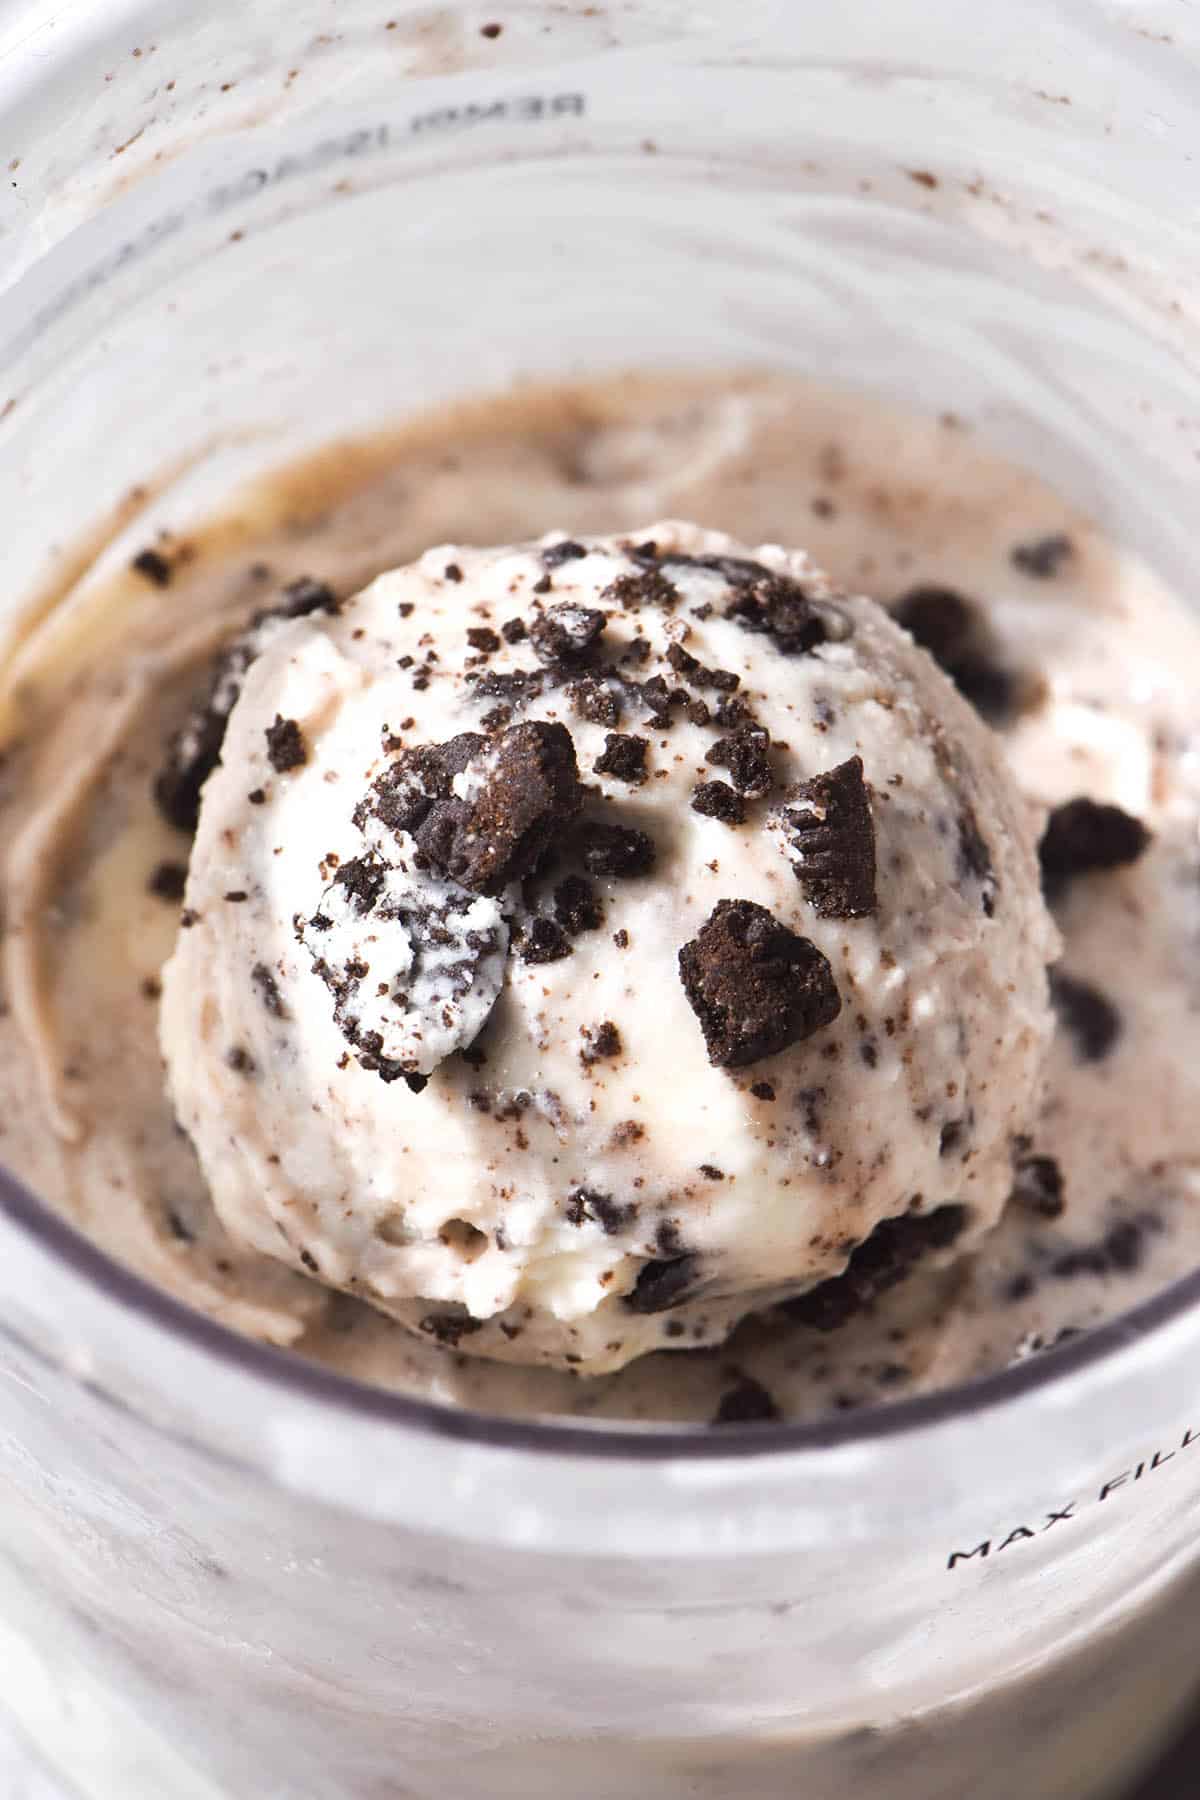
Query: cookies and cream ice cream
{"points": [[589, 942], [113, 712]]}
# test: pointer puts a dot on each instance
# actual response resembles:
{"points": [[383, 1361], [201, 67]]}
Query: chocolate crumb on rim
{"points": [[755, 987]]}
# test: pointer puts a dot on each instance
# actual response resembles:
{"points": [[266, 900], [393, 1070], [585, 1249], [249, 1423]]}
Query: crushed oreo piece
{"points": [[745, 754], [168, 881], [543, 941], [778, 607], [829, 830], [1084, 835], [567, 633], [302, 598], [414, 965], [1038, 1187], [663, 1283], [514, 631], [555, 555], [529, 794], [611, 1215], [755, 986], [616, 850], [483, 639], [240, 1061], [763, 1090], [452, 572], [717, 800], [154, 566], [691, 670], [450, 1328], [601, 1043], [624, 758], [1045, 557], [746, 1403], [633, 592], [880, 1262], [403, 796], [596, 701], [1090, 1019], [954, 632], [577, 905], [514, 689], [286, 748]]}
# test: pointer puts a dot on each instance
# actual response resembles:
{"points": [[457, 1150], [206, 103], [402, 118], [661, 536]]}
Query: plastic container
{"points": [[235, 232]]}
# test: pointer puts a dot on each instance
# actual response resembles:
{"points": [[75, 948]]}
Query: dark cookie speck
{"points": [[286, 748], [483, 639], [829, 826], [745, 754], [154, 567], [1038, 1187], [1045, 557], [168, 881], [267, 984], [755, 986], [1090, 1019], [747, 1403], [601, 1043]]}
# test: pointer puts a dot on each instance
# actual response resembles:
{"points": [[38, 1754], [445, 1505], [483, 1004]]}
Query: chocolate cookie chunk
{"points": [[577, 905], [624, 758], [616, 849], [286, 748], [1090, 1019], [952, 629], [830, 833], [1085, 835], [755, 986], [778, 606], [529, 793], [664, 1283], [650, 588], [747, 1402], [543, 941], [404, 794], [745, 754], [566, 633], [597, 701], [1038, 1187], [880, 1262], [717, 800], [694, 672]]}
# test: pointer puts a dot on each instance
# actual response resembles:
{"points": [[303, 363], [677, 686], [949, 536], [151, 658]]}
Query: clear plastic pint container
{"points": [[234, 233]]}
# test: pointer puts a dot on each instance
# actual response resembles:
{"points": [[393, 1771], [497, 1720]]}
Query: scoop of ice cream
{"points": [[589, 943]]}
